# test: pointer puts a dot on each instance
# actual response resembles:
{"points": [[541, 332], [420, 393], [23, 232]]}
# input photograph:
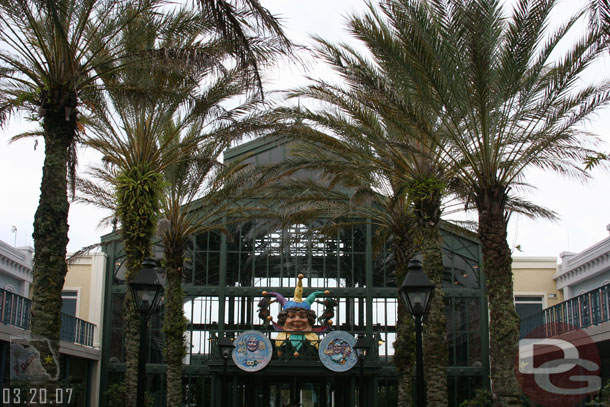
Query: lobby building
{"points": [[225, 275]]}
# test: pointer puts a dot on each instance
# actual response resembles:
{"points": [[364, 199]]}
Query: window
{"points": [[527, 305], [68, 302]]}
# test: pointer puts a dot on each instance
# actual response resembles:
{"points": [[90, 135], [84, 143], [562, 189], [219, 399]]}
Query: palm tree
{"points": [[198, 197], [507, 98], [198, 192], [357, 140], [160, 115], [352, 185], [367, 122], [600, 16], [49, 66]]}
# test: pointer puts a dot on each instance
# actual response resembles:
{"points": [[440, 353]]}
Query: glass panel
{"points": [[460, 272], [116, 334], [120, 267], [384, 269], [463, 331], [68, 307]]}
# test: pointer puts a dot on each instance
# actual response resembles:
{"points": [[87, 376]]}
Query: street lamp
{"points": [[361, 348], [417, 292], [226, 346], [146, 289]]}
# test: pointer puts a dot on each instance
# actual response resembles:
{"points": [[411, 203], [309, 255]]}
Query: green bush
{"points": [[602, 399], [482, 398]]}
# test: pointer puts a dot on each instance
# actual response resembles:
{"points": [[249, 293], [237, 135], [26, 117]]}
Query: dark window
{"points": [[528, 305], [68, 302]]}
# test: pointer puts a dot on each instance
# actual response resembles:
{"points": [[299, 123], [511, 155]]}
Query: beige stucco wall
{"points": [[86, 276], [534, 276], [79, 279]]}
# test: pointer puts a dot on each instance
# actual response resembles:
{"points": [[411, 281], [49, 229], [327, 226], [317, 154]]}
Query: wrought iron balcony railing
{"points": [[308, 352], [15, 311], [587, 310]]}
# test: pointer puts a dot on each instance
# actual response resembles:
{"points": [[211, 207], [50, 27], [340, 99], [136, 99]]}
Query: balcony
{"points": [[582, 312], [15, 311]]}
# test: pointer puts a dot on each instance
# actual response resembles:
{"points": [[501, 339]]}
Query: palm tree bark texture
{"points": [[174, 324], [504, 321], [51, 227], [435, 328], [426, 194], [138, 192], [404, 347]]}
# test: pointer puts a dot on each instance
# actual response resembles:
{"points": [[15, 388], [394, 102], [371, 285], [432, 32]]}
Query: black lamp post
{"points": [[226, 346], [416, 292], [361, 348], [146, 289]]}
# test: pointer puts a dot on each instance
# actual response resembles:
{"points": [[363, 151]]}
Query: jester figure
{"points": [[296, 319]]}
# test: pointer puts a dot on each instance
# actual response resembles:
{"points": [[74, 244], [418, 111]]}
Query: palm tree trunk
{"points": [[131, 317], [405, 389], [174, 324], [404, 347], [138, 192], [51, 237], [504, 321], [435, 330]]}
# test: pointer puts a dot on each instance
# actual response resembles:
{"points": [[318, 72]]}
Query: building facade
{"points": [[79, 355], [534, 285], [581, 272], [583, 282], [225, 275]]}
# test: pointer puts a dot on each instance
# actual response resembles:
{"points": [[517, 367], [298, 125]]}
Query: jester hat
{"points": [[297, 301]]}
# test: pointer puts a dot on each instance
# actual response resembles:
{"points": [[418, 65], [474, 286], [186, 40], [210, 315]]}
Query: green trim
{"points": [[222, 281], [484, 328], [106, 327], [369, 282]]}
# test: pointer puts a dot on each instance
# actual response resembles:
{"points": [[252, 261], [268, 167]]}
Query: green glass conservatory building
{"points": [[224, 275]]}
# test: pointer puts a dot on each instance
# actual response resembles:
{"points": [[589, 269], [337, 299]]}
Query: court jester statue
{"points": [[296, 320]]}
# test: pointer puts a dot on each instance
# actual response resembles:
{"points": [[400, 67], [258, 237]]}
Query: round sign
{"points": [[558, 365], [253, 351], [337, 351]]}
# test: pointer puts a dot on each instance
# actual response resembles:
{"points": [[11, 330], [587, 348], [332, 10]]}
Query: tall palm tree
{"points": [[161, 113], [198, 192], [508, 100], [198, 197], [49, 66], [367, 119], [353, 184]]}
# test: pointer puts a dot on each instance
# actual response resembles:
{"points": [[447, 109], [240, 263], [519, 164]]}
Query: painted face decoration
{"points": [[337, 347], [252, 344], [297, 320]]}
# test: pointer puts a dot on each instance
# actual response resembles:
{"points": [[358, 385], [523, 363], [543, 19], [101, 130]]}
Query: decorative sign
{"points": [[253, 351], [337, 351], [26, 364]]}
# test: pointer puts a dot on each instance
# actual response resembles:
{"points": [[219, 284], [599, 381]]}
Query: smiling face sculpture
{"points": [[296, 319]]}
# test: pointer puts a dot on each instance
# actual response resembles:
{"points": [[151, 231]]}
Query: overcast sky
{"points": [[583, 208]]}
